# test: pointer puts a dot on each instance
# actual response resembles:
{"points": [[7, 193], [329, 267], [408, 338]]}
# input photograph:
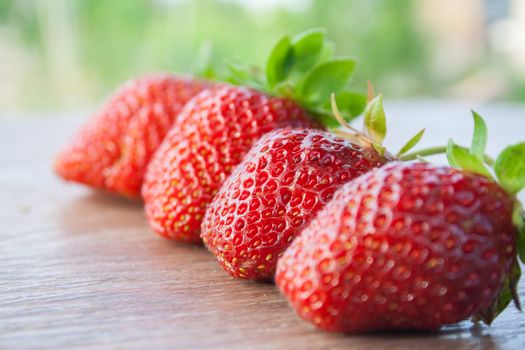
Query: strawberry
{"points": [[112, 150], [281, 183], [412, 245], [217, 128]]}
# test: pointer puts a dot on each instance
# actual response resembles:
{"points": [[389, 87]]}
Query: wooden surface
{"points": [[80, 269]]}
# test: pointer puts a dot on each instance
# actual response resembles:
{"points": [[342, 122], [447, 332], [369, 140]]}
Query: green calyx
{"points": [[472, 159], [375, 123], [375, 126], [304, 69], [508, 169]]}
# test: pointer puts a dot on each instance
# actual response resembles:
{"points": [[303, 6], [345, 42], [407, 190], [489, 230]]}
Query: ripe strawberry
{"points": [[112, 150], [405, 246], [211, 135], [285, 178], [217, 128]]}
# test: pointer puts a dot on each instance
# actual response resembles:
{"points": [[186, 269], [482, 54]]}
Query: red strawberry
{"points": [[281, 183], [405, 246], [112, 150], [211, 135], [217, 128]]}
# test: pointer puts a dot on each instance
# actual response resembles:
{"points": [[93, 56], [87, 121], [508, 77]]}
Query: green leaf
{"points": [[276, 66], [328, 51], [307, 48], [479, 139], [351, 104], [510, 168], [460, 157], [411, 143], [327, 78], [375, 119]]}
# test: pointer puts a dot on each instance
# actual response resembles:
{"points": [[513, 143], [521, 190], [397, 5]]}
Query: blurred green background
{"points": [[65, 54]]}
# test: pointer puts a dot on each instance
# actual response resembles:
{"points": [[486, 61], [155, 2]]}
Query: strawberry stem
{"points": [[424, 152], [433, 151]]}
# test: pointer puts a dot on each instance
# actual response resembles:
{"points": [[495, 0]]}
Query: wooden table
{"points": [[80, 269]]}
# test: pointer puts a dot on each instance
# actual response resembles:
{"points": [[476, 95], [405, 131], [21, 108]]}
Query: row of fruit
{"points": [[265, 170]]}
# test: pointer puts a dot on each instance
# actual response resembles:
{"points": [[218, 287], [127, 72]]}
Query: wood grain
{"points": [[80, 269]]}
